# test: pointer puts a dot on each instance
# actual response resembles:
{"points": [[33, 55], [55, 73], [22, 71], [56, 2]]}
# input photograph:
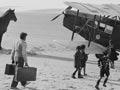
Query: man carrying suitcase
{"points": [[19, 58]]}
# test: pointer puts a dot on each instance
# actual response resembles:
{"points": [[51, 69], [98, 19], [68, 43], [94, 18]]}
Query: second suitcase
{"points": [[26, 74], [10, 69]]}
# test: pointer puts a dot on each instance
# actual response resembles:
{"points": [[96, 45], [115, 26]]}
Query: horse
{"points": [[5, 19]]}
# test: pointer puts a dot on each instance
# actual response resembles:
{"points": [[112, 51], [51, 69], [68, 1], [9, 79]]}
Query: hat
{"points": [[80, 47], [83, 46]]}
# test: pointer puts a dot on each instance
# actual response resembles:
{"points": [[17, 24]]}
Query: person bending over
{"points": [[103, 64]]}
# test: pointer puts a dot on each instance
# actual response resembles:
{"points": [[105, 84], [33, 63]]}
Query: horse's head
{"points": [[11, 15]]}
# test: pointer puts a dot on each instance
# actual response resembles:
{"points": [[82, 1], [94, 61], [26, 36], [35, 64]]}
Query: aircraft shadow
{"points": [[61, 58], [110, 81], [31, 88], [115, 82]]}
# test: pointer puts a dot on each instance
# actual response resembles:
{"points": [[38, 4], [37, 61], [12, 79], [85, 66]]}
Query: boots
{"points": [[104, 84], [97, 84], [97, 87], [79, 73], [80, 76], [73, 76]]}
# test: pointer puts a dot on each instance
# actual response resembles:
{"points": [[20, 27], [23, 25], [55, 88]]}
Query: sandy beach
{"points": [[51, 52], [54, 73]]}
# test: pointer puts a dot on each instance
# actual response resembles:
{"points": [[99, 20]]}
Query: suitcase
{"points": [[10, 69], [26, 74]]}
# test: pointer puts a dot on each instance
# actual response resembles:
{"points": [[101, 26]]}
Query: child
{"points": [[83, 61], [103, 63], [79, 57], [84, 64]]}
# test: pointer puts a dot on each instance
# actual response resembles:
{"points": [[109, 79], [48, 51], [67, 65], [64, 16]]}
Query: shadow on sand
{"points": [[115, 82], [110, 81], [31, 88], [61, 58]]}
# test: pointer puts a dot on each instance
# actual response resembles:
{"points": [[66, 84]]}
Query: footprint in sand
{"points": [[53, 87], [63, 89], [66, 79], [5, 83], [118, 80], [112, 89], [71, 87], [46, 80]]}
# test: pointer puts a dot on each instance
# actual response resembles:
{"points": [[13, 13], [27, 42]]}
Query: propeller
{"points": [[68, 8], [57, 16]]}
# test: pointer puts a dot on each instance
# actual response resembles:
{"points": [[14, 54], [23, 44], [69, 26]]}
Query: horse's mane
{"points": [[6, 13]]}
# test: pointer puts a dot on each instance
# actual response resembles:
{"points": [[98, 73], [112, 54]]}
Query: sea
{"points": [[39, 27]]}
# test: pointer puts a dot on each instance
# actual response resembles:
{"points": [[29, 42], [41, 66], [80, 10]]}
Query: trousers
{"points": [[19, 63]]}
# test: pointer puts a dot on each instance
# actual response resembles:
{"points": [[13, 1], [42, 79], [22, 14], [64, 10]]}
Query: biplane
{"points": [[95, 23]]}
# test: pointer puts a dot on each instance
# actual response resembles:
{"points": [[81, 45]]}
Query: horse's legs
{"points": [[1, 35]]}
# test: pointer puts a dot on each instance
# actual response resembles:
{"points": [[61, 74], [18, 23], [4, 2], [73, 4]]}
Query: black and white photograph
{"points": [[59, 44]]}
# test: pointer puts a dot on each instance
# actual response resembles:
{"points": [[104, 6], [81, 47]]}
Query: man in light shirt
{"points": [[19, 57]]}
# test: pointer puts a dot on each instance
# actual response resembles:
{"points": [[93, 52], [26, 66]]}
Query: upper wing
{"points": [[104, 9]]}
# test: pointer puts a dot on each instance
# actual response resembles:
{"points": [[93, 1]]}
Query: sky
{"points": [[46, 4]]}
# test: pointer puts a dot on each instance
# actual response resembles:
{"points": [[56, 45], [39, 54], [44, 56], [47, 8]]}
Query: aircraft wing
{"points": [[103, 9]]}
